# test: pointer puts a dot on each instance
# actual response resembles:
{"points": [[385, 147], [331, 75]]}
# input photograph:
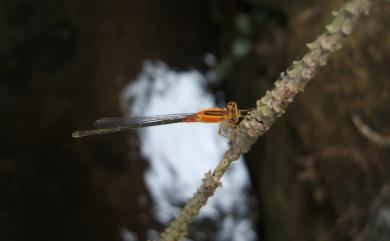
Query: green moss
{"points": [[351, 7], [336, 24], [313, 45]]}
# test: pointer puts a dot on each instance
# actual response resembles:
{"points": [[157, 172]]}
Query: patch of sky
{"points": [[180, 154]]}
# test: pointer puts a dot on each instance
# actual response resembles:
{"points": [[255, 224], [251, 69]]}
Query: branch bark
{"points": [[270, 107], [369, 133]]}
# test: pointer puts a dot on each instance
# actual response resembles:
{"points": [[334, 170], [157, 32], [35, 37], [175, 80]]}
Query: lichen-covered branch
{"points": [[270, 107], [369, 133]]}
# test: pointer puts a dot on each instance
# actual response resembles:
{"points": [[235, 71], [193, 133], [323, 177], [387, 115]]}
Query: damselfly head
{"points": [[233, 112]]}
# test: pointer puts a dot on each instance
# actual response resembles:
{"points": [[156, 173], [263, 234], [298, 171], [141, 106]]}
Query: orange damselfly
{"points": [[230, 114]]}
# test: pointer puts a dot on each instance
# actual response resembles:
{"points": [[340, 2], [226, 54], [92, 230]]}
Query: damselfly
{"points": [[230, 114]]}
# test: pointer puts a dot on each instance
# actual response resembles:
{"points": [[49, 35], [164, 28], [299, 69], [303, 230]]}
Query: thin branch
{"points": [[369, 133], [270, 107]]}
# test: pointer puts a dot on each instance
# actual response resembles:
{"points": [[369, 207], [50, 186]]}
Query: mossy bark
{"points": [[316, 176]]}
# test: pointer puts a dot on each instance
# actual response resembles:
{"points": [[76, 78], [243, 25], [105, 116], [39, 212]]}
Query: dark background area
{"points": [[63, 64]]}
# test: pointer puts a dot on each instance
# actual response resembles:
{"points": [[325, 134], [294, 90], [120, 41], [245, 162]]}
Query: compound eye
{"points": [[232, 105]]}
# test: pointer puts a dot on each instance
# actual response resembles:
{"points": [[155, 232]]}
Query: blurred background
{"points": [[64, 64]]}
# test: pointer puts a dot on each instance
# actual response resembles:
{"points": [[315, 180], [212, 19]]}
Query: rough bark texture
{"points": [[272, 106], [315, 175]]}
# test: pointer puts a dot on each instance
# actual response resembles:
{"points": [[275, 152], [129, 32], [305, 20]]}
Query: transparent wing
{"points": [[140, 121], [119, 124]]}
